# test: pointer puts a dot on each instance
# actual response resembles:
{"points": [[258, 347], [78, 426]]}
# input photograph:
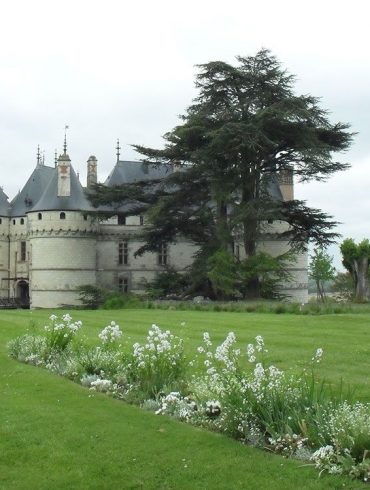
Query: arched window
{"points": [[62, 215], [85, 217], [13, 221], [22, 221], [39, 216], [1, 221]]}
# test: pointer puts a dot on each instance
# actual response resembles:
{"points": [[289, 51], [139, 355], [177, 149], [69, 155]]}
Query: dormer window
{"points": [[39, 216], [62, 215]]}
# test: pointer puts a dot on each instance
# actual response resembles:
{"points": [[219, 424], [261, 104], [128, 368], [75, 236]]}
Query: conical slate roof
{"points": [[4, 204], [126, 172], [50, 201], [32, 191]]}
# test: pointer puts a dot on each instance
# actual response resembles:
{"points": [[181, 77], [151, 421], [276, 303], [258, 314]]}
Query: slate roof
{"points": [[41, 190], [126, 172], [50, 201], [32, 191], [4, 204]]}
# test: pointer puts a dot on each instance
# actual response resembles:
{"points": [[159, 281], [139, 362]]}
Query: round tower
{"points": [[62, 239]]}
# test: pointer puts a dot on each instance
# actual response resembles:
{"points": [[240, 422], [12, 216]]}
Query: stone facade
{"points": [[50, 243]]}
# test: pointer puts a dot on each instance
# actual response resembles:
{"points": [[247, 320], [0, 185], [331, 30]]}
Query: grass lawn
{"points": [[55, 434]]}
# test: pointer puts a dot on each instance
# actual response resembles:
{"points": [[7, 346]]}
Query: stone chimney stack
{"points": [[285, 178], [64, 175], [92, 173]]}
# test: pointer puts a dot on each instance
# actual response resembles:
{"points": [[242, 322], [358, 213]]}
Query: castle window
{"points": [[39, 216], [1, 221], [123, 253], [85, 217], [270, 221], [23, 251], [22, 221], [141, 220], [121, 220], [62, 215], [163, 254], [13, 221], [123, 284]]}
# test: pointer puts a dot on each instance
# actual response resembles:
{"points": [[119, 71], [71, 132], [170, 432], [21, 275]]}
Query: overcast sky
{"points": [[118, 69]]}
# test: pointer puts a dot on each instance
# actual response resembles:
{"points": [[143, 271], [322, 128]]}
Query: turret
{"points": [[92, 174], [64, 175]]}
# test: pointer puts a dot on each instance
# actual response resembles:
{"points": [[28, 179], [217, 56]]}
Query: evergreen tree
{"points": [[243, 131]]}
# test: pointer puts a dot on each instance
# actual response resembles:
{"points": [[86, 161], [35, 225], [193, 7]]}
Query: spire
{"points": [[118, 149], [43, 157], [38, 155], [55, 158], [65, 139]]}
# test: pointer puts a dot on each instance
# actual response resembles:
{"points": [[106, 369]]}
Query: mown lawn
{"points": [[56, 434]]}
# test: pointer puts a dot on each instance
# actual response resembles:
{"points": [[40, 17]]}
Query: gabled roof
{"points": [[32, 191], [50, 201], [4, 204], [126, 172]]}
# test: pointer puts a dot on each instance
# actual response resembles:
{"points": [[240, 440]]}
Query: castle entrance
{"points": [[23, 294]]}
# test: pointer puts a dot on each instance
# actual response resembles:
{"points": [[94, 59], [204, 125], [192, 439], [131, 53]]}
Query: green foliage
{"points": [[223, 274], [343, 284], [320, 270], [356, 261], [270, 271], [168, 282], [245, 129], [119, 301], [158, 364], [92, 297]]}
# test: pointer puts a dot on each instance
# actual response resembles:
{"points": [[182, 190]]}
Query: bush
{"points": [[92, 297], [116, 301]]}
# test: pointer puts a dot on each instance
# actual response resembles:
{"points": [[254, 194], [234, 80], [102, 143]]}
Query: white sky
{"points": [[119, 69]]}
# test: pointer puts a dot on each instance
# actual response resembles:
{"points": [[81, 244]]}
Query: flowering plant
{"points": [[110, 334], [157, 363], [59, 333]]}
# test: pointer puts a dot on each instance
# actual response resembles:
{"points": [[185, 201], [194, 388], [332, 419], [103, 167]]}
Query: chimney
{"points": [[285, 178], [64, 175], [92, 174]]}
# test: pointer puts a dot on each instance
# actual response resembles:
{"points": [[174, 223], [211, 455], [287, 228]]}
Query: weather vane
{"points": [[118, 149], [65, 138]]}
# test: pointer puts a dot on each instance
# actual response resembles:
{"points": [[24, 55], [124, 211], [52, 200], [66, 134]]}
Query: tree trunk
{"points": [[250, 229], [361, 268]]}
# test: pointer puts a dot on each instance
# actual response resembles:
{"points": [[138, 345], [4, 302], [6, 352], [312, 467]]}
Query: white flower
{"points": [[318, 355], [250, 353]]}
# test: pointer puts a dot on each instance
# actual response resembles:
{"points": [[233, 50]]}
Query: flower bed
{"points": [[260, 405]]}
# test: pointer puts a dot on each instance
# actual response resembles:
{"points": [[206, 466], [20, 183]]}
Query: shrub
{"points": [[92, 297], [117, 301]]}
